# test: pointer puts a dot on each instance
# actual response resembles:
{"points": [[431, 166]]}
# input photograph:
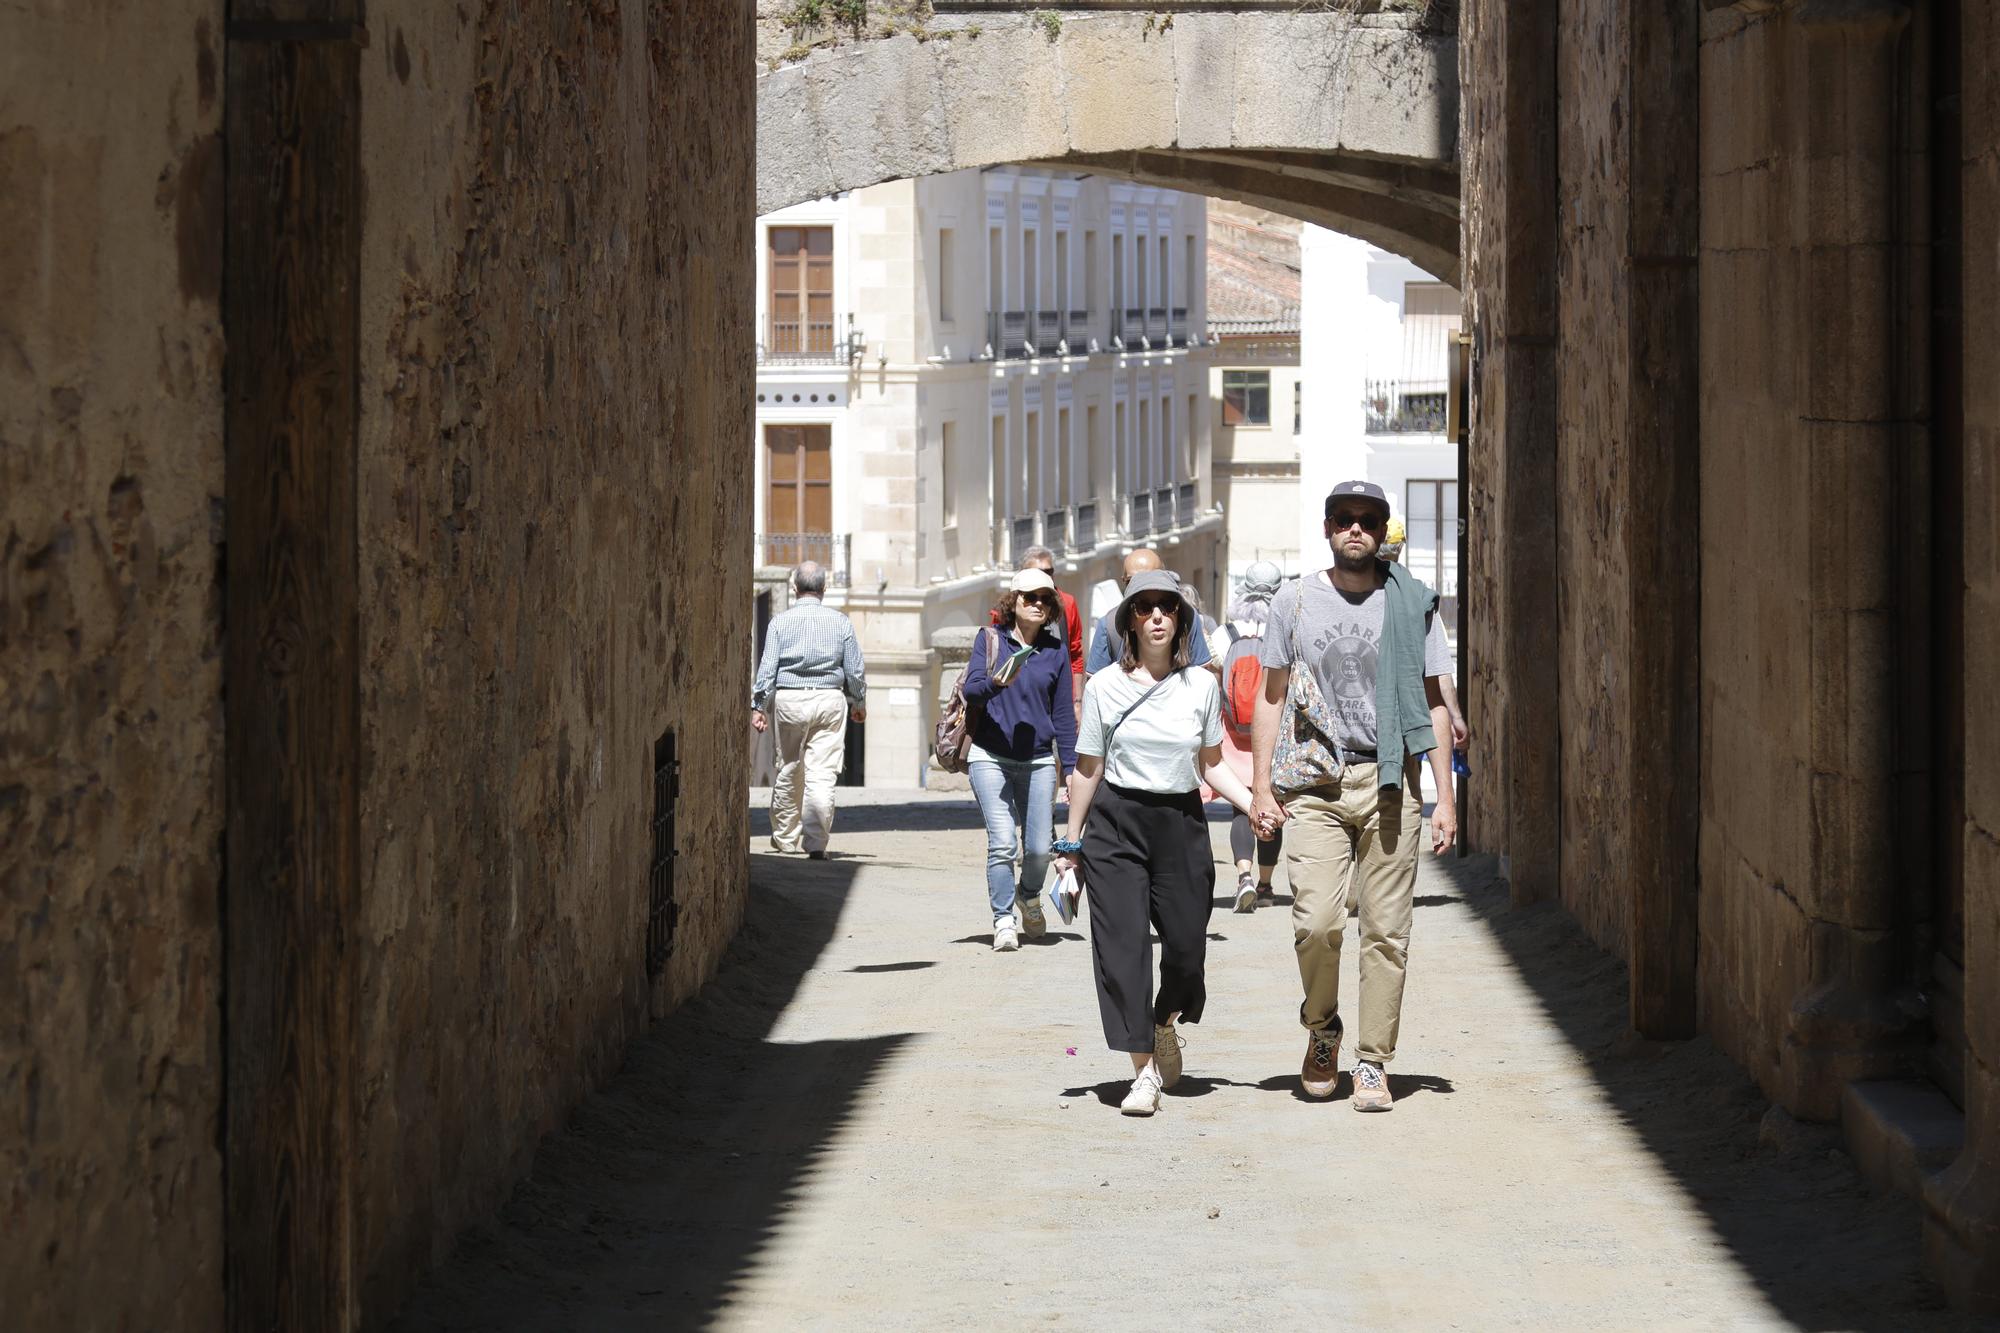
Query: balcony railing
{"points": [[1130, 324], [1177, 326], [1048, 332], [1142, 514], [1007, 333], [1076, 331], [1156, 325], [1404, 407], [1163, 509], [814, 340], [1083, 535], [1055, 529], [1021, 535], [1184, 504], [830, 550]]}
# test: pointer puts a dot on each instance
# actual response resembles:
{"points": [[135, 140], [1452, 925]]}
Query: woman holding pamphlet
{"points": [[1023, 740], [1151, 734]]}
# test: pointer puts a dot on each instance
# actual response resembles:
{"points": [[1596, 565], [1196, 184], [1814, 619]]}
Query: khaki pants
{"points": [[810, 728], [1358, 841]]}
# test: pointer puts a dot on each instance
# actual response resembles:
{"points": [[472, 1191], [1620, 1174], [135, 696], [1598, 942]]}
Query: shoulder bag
{"points": [[1306, 755]]}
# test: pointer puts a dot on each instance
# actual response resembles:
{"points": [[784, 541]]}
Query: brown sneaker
{"points": [[1371, 1088], [1319, 1072], [1167, 1045]]}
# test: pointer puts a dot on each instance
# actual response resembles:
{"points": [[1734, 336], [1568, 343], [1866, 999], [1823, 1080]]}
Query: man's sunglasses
{"points": [[1146, 606], [1369, 520]]}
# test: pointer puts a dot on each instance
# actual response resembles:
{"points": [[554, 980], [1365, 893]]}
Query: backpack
{"points": [[951, 740], [1242, 682]]}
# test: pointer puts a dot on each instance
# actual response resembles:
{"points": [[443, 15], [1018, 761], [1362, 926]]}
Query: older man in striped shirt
{"points": [[809, 683]]}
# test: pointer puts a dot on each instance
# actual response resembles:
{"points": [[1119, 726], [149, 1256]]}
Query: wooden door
{"points": [[801, 285], [798, 497]]}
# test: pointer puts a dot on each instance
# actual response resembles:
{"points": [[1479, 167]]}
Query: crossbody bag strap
{"points": [[1133, 709]]}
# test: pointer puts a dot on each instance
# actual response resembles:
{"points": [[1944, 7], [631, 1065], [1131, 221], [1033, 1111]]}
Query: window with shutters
{"points": [[798, 503], [801, 286]]}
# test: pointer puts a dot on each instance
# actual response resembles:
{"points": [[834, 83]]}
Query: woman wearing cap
{"points": [[1025, 728], [1151, 732], [1233, 647]]}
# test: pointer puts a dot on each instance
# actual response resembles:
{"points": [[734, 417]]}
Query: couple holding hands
{"points": [[1354, 663]]}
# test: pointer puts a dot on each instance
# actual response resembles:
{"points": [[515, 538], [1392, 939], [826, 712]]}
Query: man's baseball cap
{"points": [[1357, 490]]}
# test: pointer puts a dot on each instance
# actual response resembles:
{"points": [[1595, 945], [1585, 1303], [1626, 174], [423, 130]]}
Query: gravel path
{"points": [[872, 1121]]}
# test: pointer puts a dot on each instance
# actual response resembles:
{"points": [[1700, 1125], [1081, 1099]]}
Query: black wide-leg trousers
{"points": [[1147, 867]]}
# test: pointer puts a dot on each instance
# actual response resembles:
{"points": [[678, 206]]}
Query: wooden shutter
{"points": [[799, 492], [801, 284]]}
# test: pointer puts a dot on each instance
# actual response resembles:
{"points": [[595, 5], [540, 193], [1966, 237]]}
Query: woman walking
{"points": [[1025, 728], [1234, 646], [1152, 731]]}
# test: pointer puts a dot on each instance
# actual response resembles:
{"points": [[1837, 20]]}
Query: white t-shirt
{"points": [[1158, 746]]}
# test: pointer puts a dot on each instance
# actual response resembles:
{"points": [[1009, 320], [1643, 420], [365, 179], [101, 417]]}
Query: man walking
{"points": [[1107, 644], [809, 683], [1368, 632]]}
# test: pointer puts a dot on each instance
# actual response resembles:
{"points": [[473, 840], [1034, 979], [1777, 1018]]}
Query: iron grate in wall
{"points": [[662, 912]]}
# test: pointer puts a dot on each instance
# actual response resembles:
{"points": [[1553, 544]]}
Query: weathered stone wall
{"points": [[1963, 1238], [1814, 247], [110, 687], [556, 354], [1510, 247], [1756, 861], [1594, 466]]}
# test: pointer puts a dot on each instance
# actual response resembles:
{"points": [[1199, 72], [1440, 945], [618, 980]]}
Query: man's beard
{"points": [[1353, 564]]}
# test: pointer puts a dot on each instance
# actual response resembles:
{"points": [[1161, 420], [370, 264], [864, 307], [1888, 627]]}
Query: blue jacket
{"points": [[1037, 708]]}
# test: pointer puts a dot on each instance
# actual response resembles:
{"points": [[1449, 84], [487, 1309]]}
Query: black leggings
{"points": [[1241, 839], [1146, 863]]}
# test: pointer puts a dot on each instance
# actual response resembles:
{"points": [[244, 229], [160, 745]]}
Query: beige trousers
{"points": [[1358, 842], [811, 733]]}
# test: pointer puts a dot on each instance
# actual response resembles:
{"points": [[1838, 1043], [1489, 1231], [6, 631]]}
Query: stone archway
{"points": [[1342, 120]]}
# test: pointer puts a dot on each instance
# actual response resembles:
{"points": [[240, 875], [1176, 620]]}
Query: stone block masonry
{"points": [[111, 740], [483, 350]]}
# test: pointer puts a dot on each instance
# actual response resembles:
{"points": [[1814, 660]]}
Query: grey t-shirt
{"points": [[1156, 748], [1340, 637]]}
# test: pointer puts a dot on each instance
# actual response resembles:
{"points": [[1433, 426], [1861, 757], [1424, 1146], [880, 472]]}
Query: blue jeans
{"points": [[1018, 802]]}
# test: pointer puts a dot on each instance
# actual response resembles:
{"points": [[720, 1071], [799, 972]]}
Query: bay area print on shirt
{"points": [[1339, 638]]}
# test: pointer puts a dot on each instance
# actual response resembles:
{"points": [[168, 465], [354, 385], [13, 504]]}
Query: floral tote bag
{"points": [[1306, 755]]}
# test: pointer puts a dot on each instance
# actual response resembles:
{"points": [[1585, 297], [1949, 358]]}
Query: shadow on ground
{"points": [[900, 817], [654, 1200], [1797, 1220]]}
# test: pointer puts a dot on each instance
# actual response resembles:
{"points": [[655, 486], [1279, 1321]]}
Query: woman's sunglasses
{"points": [[1146, 606], [1040, 599]]}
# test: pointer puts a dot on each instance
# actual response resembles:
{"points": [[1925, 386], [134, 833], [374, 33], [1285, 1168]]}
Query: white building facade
{"points": [[1377, 339], [955, 368]]}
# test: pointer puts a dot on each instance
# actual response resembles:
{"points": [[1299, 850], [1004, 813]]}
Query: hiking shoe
{"points": [[1004, 938], [1319, 1073], [1371, 1088], [1265, 893], [1246, 893], [1167, 1045], [1144, 1098], [1033, 923]]}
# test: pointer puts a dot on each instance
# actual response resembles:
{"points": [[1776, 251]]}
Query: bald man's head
{"points": [[1140, 561]]}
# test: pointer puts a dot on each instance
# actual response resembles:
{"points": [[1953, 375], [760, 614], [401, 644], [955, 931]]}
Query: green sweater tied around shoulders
{"points": [[1402, 713]]}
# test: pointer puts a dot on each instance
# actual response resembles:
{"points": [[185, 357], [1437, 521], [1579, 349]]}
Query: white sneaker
{"points": [[1144, 1099], [1004, 938], [1033, 923]]}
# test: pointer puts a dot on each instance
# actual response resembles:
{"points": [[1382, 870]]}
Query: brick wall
{"points": [[110, 686]]}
